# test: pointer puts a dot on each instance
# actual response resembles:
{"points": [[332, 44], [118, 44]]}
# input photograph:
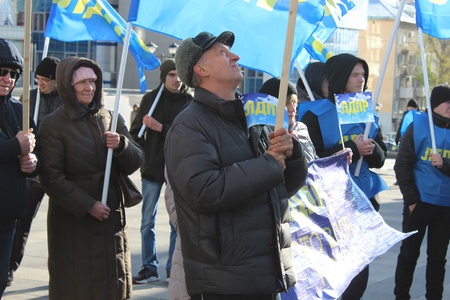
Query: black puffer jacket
{"points": [[12, 181], [231, 201]]}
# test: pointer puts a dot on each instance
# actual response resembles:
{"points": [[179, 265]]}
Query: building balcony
{"points": [[406, 92], [419, 92]]}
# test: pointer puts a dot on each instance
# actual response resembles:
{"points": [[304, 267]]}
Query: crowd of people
{"points": [[227, 186]]}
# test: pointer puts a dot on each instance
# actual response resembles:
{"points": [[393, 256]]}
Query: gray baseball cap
{"points": [[191, 49]]}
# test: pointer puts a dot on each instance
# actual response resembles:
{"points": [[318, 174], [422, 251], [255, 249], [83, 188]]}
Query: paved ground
{"points": [[31, 279]]}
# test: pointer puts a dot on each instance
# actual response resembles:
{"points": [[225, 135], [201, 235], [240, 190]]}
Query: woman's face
{"points": [[85, 90], [291, 105]]}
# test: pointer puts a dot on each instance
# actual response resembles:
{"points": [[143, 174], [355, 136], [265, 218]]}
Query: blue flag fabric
{"points": [[96, 20], [433, 17], [314, 47], [335, 231], [354, 108], [260, 26], [262, 109]]}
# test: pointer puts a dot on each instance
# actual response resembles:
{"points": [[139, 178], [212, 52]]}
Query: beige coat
{"points": [[88, 259], [177, 283]]}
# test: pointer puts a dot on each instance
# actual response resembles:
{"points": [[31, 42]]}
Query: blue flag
{"points": [[260, 26], [354, 108], [433, 17], [314, 47], [96, 20], [262, 109]]}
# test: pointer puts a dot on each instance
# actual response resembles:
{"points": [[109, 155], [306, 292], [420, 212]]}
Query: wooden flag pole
{"points": [[26, 68], [286, 64]]}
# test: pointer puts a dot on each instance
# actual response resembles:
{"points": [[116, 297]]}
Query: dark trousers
{"points": [[23, 226], [437, 220], [235, 297], [358, 285], [6, 238]]}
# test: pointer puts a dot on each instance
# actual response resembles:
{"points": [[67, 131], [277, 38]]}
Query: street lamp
{"points": [[152, 47], [173, 49]]}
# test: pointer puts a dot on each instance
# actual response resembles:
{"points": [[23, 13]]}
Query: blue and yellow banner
{"points": [[259, 25], [354, 108], [433, 17], [261, 109], [314, 47], [96, 20]]}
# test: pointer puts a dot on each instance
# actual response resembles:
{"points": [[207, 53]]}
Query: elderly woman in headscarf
{"points": [[89, 255]]}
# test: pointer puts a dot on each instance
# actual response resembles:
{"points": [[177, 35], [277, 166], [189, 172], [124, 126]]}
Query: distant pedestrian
{"points": [[412, 105], [134, 112]]}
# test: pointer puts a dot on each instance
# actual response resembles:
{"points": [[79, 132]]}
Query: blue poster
{"points": [[354, 108], [262, 109]]}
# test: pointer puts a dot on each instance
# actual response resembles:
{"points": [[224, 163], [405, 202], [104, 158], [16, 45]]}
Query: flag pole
{"points": [[38, 93], [26, 67], [286, 64], [123, 60], [150, 112], [305, 82], [381, 77], [427, 90]]}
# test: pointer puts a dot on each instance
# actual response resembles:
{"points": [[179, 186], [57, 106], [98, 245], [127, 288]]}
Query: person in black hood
{"points": [[317, 81], [347, 73], [16, 158]]}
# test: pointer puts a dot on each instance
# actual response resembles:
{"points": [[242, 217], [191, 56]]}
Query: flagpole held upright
{"points": [[380, 78], [123, 61], [293, 7], [26, 67], [152, 108], [427, 89]]}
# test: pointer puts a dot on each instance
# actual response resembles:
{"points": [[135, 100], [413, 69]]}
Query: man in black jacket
{"points": [[231, 183], [173, 97], [424, 180], [49, 102], [16, 158]]}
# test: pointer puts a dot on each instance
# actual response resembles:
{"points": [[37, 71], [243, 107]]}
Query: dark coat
{"points": [[13, 197], [231, 200], [152, 142], [88, 259]]}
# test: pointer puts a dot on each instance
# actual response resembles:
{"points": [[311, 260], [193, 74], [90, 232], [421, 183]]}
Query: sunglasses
{"points": [[14, 74], [38, 80]]}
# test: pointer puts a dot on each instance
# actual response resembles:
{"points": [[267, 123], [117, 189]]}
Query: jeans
{"points": [[435, 219], [6, 239], [23, 225], [173, 237], [151, 191]]}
